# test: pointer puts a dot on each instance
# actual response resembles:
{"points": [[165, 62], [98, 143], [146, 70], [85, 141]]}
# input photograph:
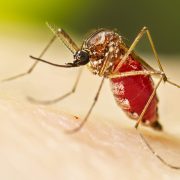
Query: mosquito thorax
{"points": [[100, 44]]}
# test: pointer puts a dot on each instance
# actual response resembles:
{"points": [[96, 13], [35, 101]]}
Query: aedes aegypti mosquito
{"points": [[106, 55]]}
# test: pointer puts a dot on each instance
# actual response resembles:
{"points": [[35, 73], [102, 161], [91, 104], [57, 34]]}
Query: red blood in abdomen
{"points": [[133, 92]]}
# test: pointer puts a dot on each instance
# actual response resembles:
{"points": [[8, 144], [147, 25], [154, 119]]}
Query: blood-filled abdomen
{"points": [[132, 93]]}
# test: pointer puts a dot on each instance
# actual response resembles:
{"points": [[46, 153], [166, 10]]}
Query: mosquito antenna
{"points": [[155, 154]]}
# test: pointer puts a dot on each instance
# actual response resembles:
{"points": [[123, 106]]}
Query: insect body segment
{"points": [[105, 51], [132, 93]]}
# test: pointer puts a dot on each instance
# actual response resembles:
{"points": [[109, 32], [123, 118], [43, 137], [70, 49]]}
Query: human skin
{"points": [[33, 144]]}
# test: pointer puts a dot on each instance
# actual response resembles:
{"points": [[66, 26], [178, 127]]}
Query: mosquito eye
{"points": [[82, 56]]}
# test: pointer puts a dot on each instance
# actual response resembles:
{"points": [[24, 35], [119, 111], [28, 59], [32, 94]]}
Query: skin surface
{"points": [[33, 144]]}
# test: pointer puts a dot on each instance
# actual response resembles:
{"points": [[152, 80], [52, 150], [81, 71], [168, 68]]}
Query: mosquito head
{"points": [[103, 47], [81, 57]]}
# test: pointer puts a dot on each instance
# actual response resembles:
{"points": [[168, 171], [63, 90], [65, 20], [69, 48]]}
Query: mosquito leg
{"points": [[157, 58], [172, 83], [133, 45], [136, 73], [48, 102], [131, 48], [155, 154], [147, 104], [34, 65], [141, 135], [76, 129]]}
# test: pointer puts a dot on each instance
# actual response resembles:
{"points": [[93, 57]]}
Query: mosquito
{"points": [[105, 54]]}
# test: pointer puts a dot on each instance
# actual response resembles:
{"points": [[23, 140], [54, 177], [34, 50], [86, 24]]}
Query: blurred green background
{"points": [[80, 16]]}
